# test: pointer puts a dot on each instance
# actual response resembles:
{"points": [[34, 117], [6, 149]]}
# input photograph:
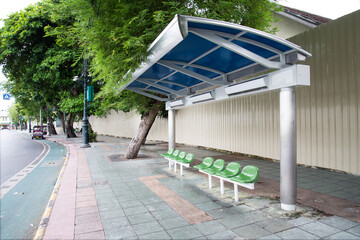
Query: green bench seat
{"points": [[168, 153], [207, 162], [185, 162]]}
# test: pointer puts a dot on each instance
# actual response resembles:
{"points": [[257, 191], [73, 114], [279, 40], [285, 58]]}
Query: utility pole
{"points": [[85, 123]]}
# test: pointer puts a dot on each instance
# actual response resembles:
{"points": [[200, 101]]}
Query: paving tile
{"points": [[156, 235], [221, 213], [146, 228], [91, 217], [207, 206], [99, 235], [88, 227], [300, 221], [157, 207], [227, 234], [135, 210], [269, 237], [339, 222], [120, 233], [354, 230], [86, 204], [342, 235], [118, 222], [112, 214], [241, 208], [176, 222], [85, 198], [251, 231], [274, 225], [130, 204], [254, 216], [141, 218], [103, 201], [296, 233], [319, 229], [86, 210], [186, 232], [151, 200], [108, 207], [164, 214], [208, 228], [233, 221]]}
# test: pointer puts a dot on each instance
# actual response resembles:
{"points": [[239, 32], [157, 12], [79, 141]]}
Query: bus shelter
{"points": [[197, 60]]}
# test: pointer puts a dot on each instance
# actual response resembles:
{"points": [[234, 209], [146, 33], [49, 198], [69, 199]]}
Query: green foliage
{"points": [[116, 35]]}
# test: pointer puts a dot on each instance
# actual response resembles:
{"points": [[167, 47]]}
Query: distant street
{"points": [[17, 151]]}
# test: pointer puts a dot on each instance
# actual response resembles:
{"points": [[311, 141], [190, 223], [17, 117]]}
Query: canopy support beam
{"points": [[171, 129], [287, 149]]}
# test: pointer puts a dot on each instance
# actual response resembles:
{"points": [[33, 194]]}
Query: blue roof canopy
{"points": [[193, 54]]}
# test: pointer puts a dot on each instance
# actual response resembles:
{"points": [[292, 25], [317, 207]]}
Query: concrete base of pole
{"points": [[288, 207], [85, 146]]}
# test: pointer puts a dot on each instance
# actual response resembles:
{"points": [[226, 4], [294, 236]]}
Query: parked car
{"points": [[5, 128], [37, 132]]}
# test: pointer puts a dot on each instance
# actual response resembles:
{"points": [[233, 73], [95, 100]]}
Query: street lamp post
{"points": [[85, 123]]}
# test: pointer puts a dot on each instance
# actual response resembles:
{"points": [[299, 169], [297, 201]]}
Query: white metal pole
{"points": [[287, 149], [171, 124]]}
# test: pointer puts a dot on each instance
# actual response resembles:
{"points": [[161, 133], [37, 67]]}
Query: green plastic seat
{"points": [[218, 166], [207, 162], [249, 174], [232, 169], [174, 154], [188, 159], [180, 157], [168, 153]]}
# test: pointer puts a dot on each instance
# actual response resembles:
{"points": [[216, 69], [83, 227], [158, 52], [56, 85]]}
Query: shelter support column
{"points": [[287, 149], [171, 123]]}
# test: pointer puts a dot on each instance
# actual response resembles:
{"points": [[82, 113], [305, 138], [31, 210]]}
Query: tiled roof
{"points": [[309, 17]]}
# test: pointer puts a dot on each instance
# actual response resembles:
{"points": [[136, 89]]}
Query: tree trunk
{"points": [[52, 129], [61, 114], [69, 127], [147, 120]]}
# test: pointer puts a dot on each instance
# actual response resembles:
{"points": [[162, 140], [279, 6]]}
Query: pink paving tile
{"points": [[86, 210], [88, 227], [85, 198], [86, 204], [187, 210], [99, 235], [86, 218]]}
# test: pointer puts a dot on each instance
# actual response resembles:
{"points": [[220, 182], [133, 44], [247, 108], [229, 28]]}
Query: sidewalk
{"points": [[103, 196]]}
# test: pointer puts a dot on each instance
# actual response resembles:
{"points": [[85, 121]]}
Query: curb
{"points": [[46, 215]]}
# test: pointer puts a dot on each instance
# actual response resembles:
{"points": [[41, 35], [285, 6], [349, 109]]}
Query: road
{"points": [[17, 151], [26, 194]]}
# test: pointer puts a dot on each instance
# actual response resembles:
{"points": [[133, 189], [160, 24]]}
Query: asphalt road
{"points": [[17, 151]]}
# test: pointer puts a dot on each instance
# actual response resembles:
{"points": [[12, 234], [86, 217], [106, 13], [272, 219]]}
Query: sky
{"points": [[327, 8]]}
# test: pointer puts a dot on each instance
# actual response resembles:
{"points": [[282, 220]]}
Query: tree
{"points": [[116, 35], [37, 68]]}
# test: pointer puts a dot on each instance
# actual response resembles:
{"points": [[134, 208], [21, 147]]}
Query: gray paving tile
{"points": [[207, 206], [146, 228], [115, 213], [241, 208], [151, 200], [120, 233], [300, 221], [156, 235], [104, 201], [135, 210], [319, 229], [343, 235], [296, 233], [274, 225], [227, 234], [270, 237], [186, 232], [339, 222], [254, 216], [251, 231], [164, 214], [157, 207], [176, 222], [233, 221], [130, 204], [208, 228], [141, 218], [118, 222], [354, 230], [221, 213]]}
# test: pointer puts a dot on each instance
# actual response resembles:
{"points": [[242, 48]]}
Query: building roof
{"points": [[308, 17]]}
